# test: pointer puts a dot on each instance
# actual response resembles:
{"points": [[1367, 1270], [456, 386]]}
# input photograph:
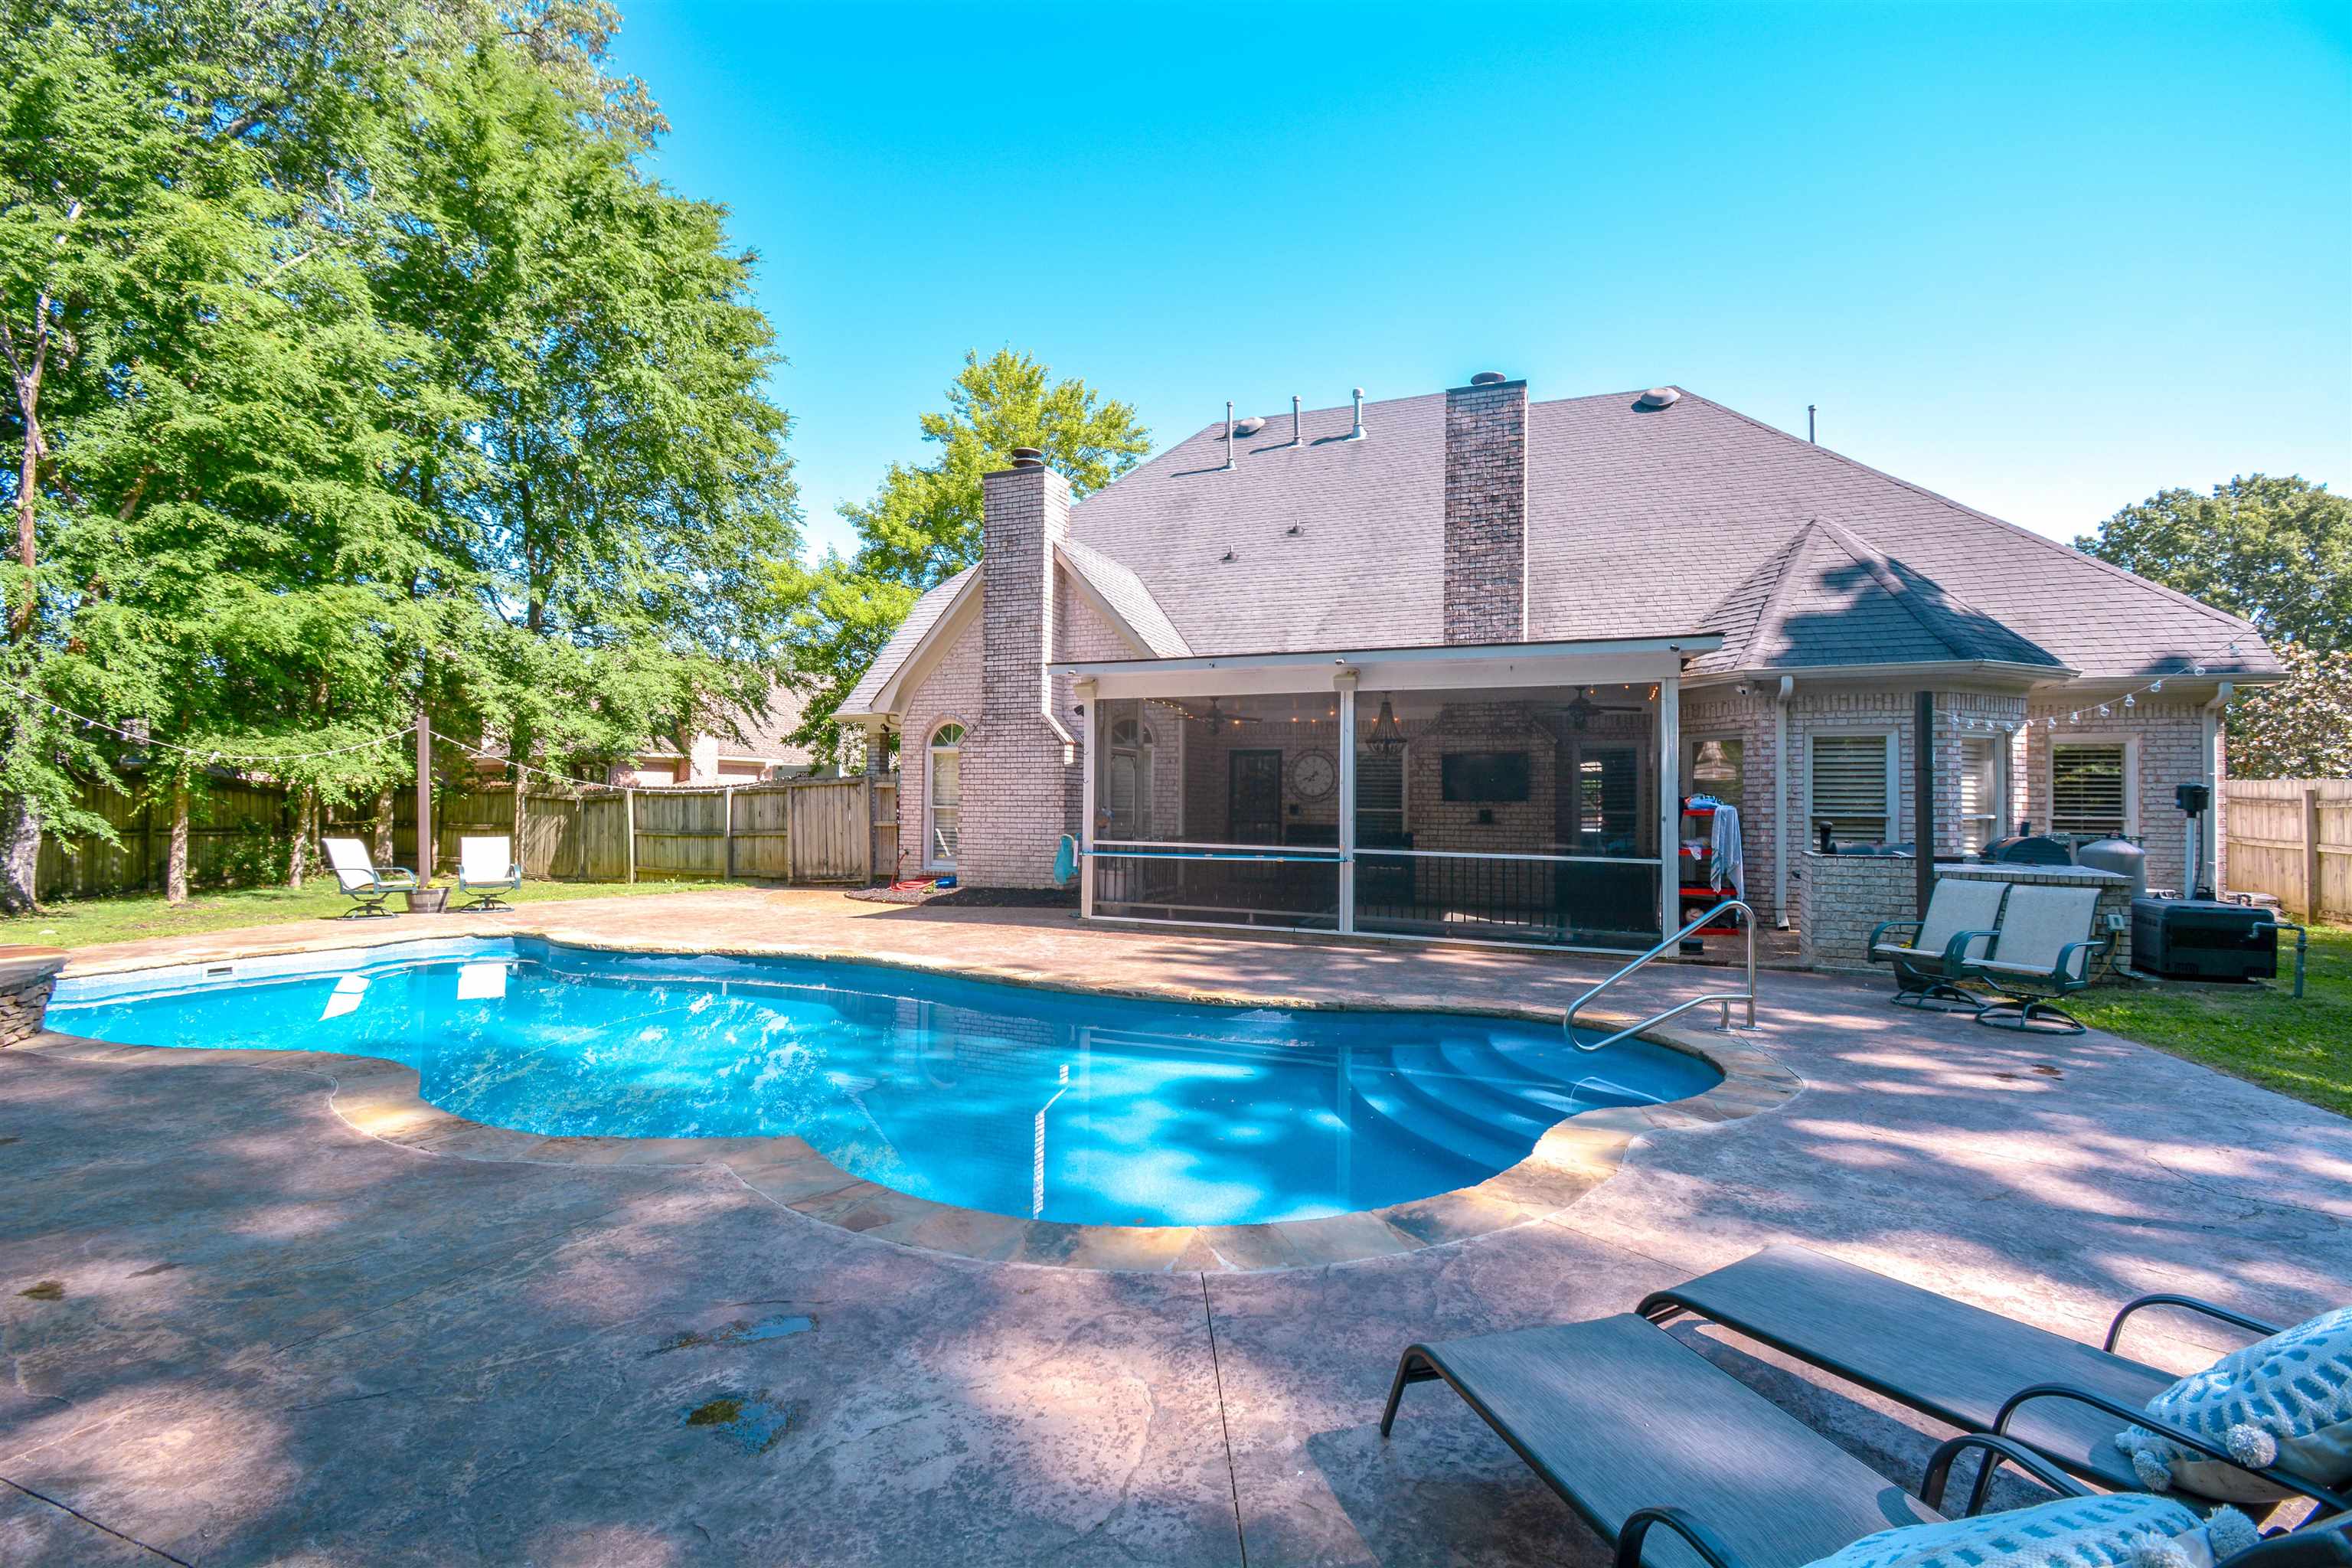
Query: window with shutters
{"points": [[1984, 774], [1852, 787], [2090, 787]]}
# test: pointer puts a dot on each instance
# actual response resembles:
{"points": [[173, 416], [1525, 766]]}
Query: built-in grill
{"points": [[2030, 849], [2203, 939]]}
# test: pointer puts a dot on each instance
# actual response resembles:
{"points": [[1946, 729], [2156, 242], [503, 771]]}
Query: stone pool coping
{"points": [[380, 1100]]}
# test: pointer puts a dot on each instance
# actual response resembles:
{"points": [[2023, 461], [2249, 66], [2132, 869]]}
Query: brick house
{"points": [[1452, 665]]}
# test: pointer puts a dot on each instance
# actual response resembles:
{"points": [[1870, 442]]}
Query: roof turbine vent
{"points": [[1250, 426], [1488, 378], [1656, 398], [1028, 458]]}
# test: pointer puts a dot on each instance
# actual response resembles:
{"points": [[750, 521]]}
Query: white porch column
{"points": [[1344, 684], [1084, 688], [1670, 803]]}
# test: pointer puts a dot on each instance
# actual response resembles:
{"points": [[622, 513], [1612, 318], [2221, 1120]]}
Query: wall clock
{"points": [[1314, 774]]}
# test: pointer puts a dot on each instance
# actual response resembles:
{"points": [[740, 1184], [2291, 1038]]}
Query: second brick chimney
{"points": [[1486, 511]]}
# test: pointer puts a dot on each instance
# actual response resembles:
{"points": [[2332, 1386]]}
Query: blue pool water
{"points": [[1096, 1110]]}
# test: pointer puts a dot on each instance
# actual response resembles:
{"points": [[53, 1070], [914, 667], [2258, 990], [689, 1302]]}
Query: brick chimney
{"points": [[1018, 794], [1486, 511]]}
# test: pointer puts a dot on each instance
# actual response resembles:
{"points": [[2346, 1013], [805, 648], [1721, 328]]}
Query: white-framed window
{"points": [[942, 798], [1984, 789], [1851, 785], [1127, 785], [2093, 787]]}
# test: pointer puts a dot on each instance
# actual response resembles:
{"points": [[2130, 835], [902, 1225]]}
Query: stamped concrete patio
{"points": [[239, 1330]]}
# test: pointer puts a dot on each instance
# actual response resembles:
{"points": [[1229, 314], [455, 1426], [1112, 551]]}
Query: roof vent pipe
{"points": [[1358, 433], [1229, 433], [1295, 439]]}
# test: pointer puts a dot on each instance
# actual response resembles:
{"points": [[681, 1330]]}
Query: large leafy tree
{"points": [[923, 525], [2279, 553], [354, 364]]}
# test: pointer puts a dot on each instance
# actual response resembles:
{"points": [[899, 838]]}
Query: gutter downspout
{"points": [[1787, 776], [2212, 776]]}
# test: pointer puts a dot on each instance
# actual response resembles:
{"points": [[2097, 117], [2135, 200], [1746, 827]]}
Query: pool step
{"points": [[1471, 1097], [1588, 1077], [1386, 1095]]}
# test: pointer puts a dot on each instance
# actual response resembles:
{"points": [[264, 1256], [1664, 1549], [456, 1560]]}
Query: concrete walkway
{"points": [[237, 1331]]}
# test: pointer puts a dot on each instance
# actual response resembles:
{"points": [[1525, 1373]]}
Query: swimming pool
{"points": [[1039, 1104]]}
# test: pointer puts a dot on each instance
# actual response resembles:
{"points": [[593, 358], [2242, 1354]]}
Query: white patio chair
{"points": [[368, 884], [487, 868]]}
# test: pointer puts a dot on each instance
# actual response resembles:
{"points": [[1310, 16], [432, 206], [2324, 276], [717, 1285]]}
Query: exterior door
{"points": [[1253, 797]]}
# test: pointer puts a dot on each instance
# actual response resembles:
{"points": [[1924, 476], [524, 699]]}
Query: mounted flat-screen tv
{"points": [[1485, 775]]}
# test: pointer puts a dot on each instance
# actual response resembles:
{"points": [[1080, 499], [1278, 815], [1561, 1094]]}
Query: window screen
{"points": [[2086, 789], [1849, 787], [1981, 791]]}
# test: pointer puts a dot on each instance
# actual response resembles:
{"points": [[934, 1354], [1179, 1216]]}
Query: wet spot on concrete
{"points": [[5, 1141], [46, 1291], [152, 1269], [2046, 1070], [738, 1332], [752, 1422]]}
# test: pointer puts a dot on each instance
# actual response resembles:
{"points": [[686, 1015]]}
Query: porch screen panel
{"points": [[2086, 789], [1522, 814], [1851, 787], [1218, 810]]}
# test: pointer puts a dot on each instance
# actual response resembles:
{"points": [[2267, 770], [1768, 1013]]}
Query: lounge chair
{"points": [[1927, 954], [1966, 1367], [1634, 1430], [369, 885], [486, 868], [2044, 949]]}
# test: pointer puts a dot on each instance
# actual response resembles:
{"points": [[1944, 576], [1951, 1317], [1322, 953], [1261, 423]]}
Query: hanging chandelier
{"points": [[1384, 736]]}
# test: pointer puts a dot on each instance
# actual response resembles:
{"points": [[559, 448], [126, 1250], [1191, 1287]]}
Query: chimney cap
{"points": [[1488, 378], [1028, 458]]}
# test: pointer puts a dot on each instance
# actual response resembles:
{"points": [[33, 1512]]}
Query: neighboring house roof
{"points": [[767, 734], [1825, 599], [1139, 614], [1638, 522], [928, 611]]}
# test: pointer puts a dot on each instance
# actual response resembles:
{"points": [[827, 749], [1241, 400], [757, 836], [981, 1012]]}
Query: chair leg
{"points": [[2029, 1016], [1942, 996], [1412, 1367]]}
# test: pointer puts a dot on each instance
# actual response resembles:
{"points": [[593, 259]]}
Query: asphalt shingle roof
{"points": [[1124, 592], [903, 643]]}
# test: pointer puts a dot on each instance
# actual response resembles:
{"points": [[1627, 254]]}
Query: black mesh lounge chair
{"points": [[2327, 1545], [1644, 1437], [1965, 1366], [1927, 954], [2044, 949], [368, 885]]}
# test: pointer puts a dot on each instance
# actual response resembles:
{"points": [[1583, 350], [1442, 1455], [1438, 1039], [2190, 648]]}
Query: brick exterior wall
{"points": [[2167, 741], [25, 985], [1852, 893], [949, 694], [1486, 513]]}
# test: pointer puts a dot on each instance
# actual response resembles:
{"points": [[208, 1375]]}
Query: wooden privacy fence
{"points": [[2292, 838], [802, 830]]}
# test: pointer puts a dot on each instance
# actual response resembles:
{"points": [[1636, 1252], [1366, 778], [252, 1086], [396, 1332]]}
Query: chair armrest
{"points": [[2191, 1303], [1711, 1550], [1998, 1451], [393, 877], [1909, 928], [2169, 1433], [2063, 971], [1955, 952]]}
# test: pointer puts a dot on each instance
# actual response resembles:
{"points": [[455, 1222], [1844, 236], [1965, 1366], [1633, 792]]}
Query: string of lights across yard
{"points": [[208, 753]]}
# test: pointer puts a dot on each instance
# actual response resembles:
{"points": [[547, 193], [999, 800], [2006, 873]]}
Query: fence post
{"points": [[2311, 883], [727, 806], [629, 826], [866, 825]]}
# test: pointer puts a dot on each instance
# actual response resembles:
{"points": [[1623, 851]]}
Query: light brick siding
{"points": [[949, 694], [1486, 513], [2167, 741], [1851, 894]]}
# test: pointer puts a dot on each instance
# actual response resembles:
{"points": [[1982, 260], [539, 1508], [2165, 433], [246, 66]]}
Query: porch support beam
{"points": [[1344, 686], [1089, 733], [1670, 803]]}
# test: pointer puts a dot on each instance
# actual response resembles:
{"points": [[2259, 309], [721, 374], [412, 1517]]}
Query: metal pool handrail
{"points": [[1568, 1022]]}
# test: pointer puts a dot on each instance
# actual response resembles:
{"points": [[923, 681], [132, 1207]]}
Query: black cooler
{"points": [[2203, 939]]}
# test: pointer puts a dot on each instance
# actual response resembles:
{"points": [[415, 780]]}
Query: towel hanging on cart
{"points": [[1724, 863]]}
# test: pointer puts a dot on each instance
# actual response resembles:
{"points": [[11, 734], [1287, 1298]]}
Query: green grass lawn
{"points": [[2259, 1032], [135, 917]]}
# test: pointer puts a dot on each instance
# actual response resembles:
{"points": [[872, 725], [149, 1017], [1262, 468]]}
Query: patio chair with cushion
{"points": [[2044, 949], [369, 885], [1979, 1371], [1927, 954], [486, 868]]}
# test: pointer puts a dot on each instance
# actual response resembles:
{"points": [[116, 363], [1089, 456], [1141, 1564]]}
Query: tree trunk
{"points": [[306, 831], [20, 854], [175, 858], [381, 854]]}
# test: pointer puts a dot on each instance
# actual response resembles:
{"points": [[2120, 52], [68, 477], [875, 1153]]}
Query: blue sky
{"points": [[2047, 259]]}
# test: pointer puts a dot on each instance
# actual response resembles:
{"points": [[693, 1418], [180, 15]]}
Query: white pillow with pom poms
{"points": [[2125, 1530], [2284, 1400]]}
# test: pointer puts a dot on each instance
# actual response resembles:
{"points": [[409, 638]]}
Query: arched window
{"points": [[1127, 783], [943, 798]]}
